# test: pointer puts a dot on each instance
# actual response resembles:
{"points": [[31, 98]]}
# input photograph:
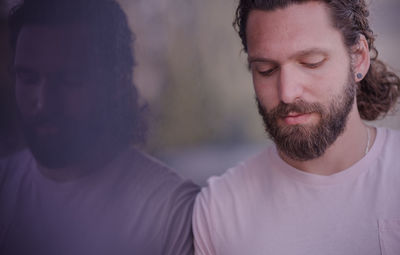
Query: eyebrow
{"points": [[299, 54]]}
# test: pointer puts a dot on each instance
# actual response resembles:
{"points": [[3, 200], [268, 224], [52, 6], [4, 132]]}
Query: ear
{"points": [[360, 58]]}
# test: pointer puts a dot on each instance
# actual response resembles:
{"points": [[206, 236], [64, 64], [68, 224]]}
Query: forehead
{"points": [[49, 48], [295, 28]]}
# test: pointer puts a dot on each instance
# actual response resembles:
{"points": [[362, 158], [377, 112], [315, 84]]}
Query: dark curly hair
{"points": [[112, 42], [379, 90]]}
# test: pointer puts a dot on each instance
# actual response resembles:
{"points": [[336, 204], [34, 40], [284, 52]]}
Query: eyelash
{"points": [[313, 65], [268, 72]]}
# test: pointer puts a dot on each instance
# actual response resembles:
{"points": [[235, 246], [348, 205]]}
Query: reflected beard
{"points": [[73, 144], [307, 142]]}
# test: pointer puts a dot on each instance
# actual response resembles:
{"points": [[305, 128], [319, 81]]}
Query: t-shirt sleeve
{"points": [[202, 228], [179, 235], [12, 169]]}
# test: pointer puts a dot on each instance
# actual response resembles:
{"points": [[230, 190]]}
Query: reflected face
{"points": [[302, 77], [57, 94]]}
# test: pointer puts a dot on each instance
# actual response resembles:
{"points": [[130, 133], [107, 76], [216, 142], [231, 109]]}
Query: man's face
{"points": [[302, 77], [57, 93]]}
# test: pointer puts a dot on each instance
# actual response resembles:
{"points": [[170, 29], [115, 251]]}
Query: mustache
{"points": [[42, 120], [300, 106]]}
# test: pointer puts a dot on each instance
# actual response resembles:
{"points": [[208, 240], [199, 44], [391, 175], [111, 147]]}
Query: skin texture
{"points": [[296, 54]]}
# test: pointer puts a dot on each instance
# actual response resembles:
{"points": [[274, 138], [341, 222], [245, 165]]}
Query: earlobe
{"points": [[360, 58]]}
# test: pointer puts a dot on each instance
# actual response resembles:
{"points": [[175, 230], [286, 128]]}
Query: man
{"points": [[82, 188], [330, 185]]}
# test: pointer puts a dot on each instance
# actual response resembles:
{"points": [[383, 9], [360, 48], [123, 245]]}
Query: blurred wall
{"points": [[202, 92]]}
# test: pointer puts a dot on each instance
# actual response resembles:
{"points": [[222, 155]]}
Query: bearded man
{"points": [[330, 185], [82, 187]]}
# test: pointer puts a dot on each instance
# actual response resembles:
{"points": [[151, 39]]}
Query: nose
{"points": [[289, 85], [46, 98]]}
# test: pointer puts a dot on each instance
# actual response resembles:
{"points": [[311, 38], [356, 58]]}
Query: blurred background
{"points": [[192, 74]]}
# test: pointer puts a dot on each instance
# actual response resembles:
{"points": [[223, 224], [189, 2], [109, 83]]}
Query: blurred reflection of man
{"points": [[82, 188], [10, 136], [330, 185]]}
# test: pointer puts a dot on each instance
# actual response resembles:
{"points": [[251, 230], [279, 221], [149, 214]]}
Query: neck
{"points": [[348, 149]]}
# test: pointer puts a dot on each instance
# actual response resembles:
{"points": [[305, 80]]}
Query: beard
{"points": [[307, 142], [73, 142]]}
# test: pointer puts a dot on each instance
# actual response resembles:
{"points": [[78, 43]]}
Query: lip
{"points": [[46, 129], [294, 118]]}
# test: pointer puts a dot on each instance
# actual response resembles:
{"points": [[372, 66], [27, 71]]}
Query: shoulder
{"points": [[163, 201], [174, 197], [390, 135], [227, 199], [237, 180], [16, 159], [387, 144], [149, 174], [16, 165], [14, 171], [387, 154]]}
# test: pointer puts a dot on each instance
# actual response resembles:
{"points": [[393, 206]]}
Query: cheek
{"points": [[79, 104], [334, 77], [266, 92], [26, 99], [330, 86]]}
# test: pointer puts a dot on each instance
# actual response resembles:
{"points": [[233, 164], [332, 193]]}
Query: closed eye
{"points": [[268, 72], [313, 65]]}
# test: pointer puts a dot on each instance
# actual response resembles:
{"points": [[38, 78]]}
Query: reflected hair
{"points": [[378, 92], [112, 42]]}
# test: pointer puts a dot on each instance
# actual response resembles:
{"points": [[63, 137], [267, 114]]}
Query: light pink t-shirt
{"points": [[264, 206]]}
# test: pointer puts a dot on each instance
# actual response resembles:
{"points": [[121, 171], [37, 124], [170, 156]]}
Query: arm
{"points": [[202, 227], [179, 235]]}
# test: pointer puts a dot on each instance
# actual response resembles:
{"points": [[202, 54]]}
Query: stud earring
{"points": [[359, 76]]}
